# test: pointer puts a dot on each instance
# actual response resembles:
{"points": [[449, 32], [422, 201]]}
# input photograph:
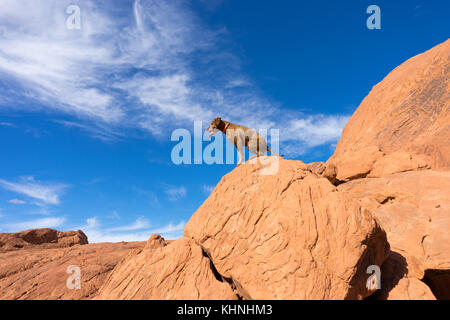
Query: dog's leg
{"points": [[240, 149]]}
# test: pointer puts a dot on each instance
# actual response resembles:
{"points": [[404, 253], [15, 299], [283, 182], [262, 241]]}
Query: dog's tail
{"points": [[278, 155]]}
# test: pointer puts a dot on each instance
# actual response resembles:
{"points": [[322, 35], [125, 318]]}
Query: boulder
{"points": [[407, 112], [280, 229], [414, 210], [180, 270], [41, 273], [44, 238], [290, 235]]}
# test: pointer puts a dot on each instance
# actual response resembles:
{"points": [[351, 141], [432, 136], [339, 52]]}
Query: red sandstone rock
{"points": [[291, 234], [409, 111], [414, 210], [41, 273], [179, 270], [288, 235], [44, 238]]}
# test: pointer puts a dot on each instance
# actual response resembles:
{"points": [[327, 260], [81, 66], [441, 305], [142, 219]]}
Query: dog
{"points": [[241, 137]]}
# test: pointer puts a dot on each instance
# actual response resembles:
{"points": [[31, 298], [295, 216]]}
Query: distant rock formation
{"points": [[43, 238], [40, 272]]}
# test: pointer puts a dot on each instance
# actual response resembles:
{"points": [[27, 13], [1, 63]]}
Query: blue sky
{"points": [[86, 115]]}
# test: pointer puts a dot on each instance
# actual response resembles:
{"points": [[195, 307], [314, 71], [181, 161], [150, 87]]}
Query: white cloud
{"points": [[154, 67], [312, 131], [91, 223], [169, 97], [7, 124], [59, 77], [175, 193], [17, 201], [148, 193], [139, 224], [141, 232], [34, 224], [115, 215], [81, 71], [97, 130], [207, 189], [170, 228], [46, 192]]}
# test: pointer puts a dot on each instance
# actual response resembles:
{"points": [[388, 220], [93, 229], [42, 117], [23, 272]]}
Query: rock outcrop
{"points": [[414, 210], [180, 270], [290, 235], [41, 272], [296, 231], [42, 238], [404, 122]]}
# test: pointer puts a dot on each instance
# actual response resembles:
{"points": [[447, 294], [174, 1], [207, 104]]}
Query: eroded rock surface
{"points": [[407, 112], [414, 210], [41, 273], [287, 236], [180, 270], [43, 238], [295, 230]]}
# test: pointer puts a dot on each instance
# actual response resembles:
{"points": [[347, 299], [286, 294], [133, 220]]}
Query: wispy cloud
{"points": [[137, 231], [52, 222], [170, 229], [151, 69], [97, 130], [114, 215], [7, 124], [17, 201], [139, 224], [175, 193], [313, 131], [207, 189], [44, 191], [147, 193]]}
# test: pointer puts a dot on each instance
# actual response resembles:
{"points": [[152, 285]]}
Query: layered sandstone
{"points": [[295, 231], [290, 235], [42, 273], [42, 238], [404, 122]]}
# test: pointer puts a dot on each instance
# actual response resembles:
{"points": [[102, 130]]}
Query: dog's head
{"points": [[214, 126]]}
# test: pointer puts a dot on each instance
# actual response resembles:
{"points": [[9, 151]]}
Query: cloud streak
{"points": [[139, 224], [52, 222], [17, 201], [138, 231], [207, 189], [155, 67], [48, 193], [175, 193]]}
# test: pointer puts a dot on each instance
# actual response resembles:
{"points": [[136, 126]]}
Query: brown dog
{"points": [[241, 136]]}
